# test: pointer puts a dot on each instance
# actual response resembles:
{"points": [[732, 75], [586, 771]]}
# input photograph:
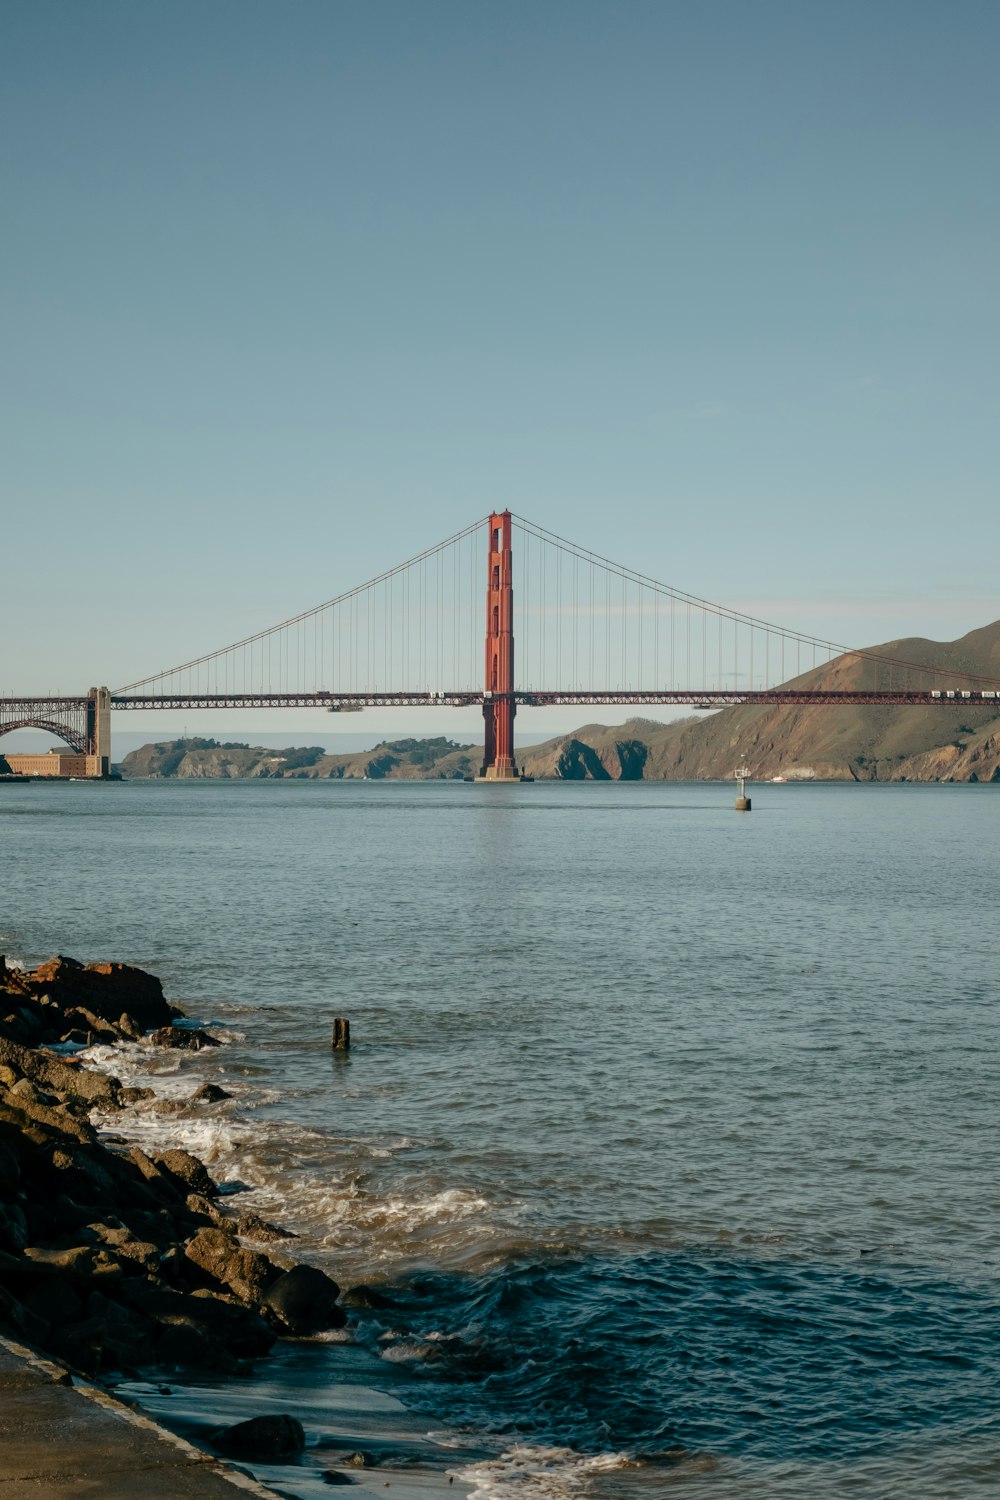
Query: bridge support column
{"points": [[99, 728], [499, 707]]}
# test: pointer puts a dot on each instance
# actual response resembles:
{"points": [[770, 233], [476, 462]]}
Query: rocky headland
{"points": [[112, 1259]]}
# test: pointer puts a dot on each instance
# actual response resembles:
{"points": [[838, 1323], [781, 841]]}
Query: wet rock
{"points": [[366, 1296], [267, 1439], [188, 1171], [135, 1096], [245, 1272], [56, 1074], [188, 1038], [303, 1301], [204, 1208], [331, 1476], [210, 1093], [161, 1183], [253, 1227]]}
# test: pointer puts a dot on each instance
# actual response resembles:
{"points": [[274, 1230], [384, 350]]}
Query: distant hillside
{"points": [[839, 744], [412, 759], [958, 743]]}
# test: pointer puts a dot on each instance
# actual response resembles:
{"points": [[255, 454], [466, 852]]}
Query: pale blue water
{"points": [[668, 1127]]}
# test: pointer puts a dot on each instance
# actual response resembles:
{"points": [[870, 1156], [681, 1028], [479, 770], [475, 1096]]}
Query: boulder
{"points": [[266, 1439], [188, 1038], [13, 1314], [10, 1170], [253, 1227], [109, 990], [188, 1172], [246, 1273], [239, 1329], [303, 1300], [209, 1093], [13, 1228], [182, 1344], [55, 1073]]}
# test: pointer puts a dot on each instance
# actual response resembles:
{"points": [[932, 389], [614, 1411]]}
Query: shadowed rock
{"points": [[304, 1300], [261, 1438]]}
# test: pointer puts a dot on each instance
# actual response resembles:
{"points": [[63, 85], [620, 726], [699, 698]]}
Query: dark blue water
{"points": [[668, 1132]]}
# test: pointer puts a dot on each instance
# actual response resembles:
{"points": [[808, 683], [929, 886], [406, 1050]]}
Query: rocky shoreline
{"points": [[115, 1261]]}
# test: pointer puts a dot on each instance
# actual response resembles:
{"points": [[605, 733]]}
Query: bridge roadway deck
{"points": [[348, 702]]}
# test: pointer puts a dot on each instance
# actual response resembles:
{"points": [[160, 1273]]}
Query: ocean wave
{"points": [[538, 1473]]}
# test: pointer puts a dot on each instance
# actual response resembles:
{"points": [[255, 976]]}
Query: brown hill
{"points": [[413, 759], [954, 743]]}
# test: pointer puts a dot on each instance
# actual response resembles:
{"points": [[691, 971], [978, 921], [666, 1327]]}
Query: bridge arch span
{"points": [[76, 742]]}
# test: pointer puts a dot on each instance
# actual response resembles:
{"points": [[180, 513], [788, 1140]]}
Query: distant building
{"points": [[65, 763]]}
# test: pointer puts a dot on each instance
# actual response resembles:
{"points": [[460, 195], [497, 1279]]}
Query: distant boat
{"points": [[779, 778]]}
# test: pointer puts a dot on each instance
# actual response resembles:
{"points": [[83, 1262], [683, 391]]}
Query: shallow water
{"points": [[669, 1130]]}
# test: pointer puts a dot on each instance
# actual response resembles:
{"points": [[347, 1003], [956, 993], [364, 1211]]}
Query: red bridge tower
{"points": [[498, 694]]}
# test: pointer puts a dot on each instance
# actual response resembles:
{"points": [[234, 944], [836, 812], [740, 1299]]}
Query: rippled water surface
{"points": [[671, 1132]]}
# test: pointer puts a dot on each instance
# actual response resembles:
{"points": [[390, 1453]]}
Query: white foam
{"points": [[538, 1473]]}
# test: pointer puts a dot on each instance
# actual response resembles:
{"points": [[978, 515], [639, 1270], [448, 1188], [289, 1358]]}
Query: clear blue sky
{"points": [[292, 290]]}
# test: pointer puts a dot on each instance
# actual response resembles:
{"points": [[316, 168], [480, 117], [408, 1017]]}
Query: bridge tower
{"points": [[498, 697], [98, 731]]}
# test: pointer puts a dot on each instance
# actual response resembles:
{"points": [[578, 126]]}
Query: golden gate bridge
{"points": [[589, 632]]}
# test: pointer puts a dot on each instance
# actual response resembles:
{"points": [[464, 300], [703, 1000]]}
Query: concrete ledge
{"points": [[60, 1440]]}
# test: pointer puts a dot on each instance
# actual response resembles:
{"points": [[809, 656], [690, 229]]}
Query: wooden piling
{"points": [[341, 1034]]}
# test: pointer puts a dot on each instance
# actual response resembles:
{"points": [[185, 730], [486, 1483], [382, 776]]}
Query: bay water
{"points": [[668, 1136]]}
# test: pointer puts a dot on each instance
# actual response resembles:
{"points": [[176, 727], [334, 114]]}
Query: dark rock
{"points": [[13, 1228], [134, 1255], [331, 1476], [303, 1301], [135, 1096], [106, 989], [189, 1038], [366, 1296], [55, 1073], [127, 1337], [189, 1172], [239, 1329], [162, 1183], [253, 1227], [262, 1438], [246, 1273], [182, 1343], [204, 1208], [81, 1265], [10, 1170], [82, 1343], [13, 1314], [209, 1093], [54, 1301]]}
